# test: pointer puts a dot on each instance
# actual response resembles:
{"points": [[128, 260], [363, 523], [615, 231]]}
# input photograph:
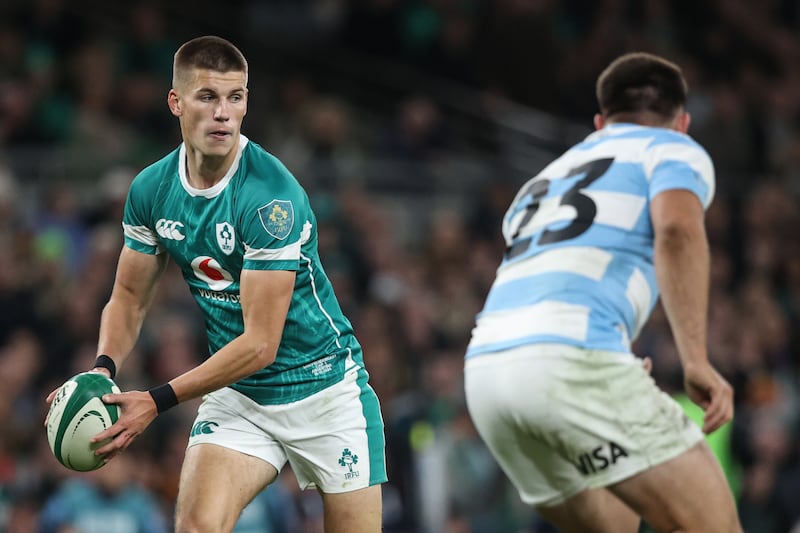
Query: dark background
{"points": [[411, 124]]}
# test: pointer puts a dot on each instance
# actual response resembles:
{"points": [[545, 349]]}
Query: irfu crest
{"points": [[277, 217], [225, 237], [349, 459]]}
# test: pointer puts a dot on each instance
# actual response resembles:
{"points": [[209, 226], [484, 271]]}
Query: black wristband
{"points": [[164, 397], [104, 361]]}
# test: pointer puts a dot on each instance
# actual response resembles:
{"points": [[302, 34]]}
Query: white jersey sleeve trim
{"points": [[289, 252], [305, 234], [142, 234]]}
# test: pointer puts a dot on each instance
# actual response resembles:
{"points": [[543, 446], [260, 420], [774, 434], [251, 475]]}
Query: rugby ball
{"points": [[76, 415]]}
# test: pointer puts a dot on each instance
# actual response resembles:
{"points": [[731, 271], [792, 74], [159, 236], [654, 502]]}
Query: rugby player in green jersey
{"points": [[285, 380]]}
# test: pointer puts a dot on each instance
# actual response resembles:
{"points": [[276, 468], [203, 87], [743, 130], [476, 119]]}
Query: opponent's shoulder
{"points": [[674, 160], [671, 145], [661, 136], [647, 144]]}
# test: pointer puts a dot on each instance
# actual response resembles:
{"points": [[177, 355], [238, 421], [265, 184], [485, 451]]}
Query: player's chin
{"points": [[219, 147]]}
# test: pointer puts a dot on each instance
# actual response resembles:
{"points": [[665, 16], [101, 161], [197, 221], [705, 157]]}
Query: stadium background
{"points": [[410, 123]]}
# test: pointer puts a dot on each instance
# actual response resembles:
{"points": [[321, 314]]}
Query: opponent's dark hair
{"points": [[639, 83], [208, 52]]}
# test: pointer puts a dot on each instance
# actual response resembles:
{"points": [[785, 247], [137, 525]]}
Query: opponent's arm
{"points": [[682, 263], [134, 288]]}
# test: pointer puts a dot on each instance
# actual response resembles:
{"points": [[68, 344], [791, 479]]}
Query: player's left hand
{"points": [[137, 411], [707, 388], [49, 399]]}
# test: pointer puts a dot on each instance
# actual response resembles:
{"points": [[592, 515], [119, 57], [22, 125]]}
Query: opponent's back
{"points": [[578, 267]]}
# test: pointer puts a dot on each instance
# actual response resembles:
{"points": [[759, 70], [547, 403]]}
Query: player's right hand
{"points": [[137, 412], [707, 388]]}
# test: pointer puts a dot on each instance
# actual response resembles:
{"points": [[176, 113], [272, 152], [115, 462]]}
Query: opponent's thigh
{"points": [[359, 511], [592, 511], [216, 484], [688, 493]]}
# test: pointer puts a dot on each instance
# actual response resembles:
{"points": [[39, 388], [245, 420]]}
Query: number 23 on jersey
{"points": [[528, 223]]}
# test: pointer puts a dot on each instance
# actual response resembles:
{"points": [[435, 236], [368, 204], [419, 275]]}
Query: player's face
{"points": [[210, 106]]}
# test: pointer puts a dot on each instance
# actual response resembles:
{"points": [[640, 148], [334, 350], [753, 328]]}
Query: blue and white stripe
{"points": [[594, 289]]}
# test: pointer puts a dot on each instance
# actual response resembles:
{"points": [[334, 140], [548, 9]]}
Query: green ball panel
{"points": [[89, 385]]}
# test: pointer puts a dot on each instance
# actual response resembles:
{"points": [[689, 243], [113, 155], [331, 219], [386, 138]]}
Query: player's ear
{"points": [[681, 122], [174, 103], [686, 119], [599, 121]]}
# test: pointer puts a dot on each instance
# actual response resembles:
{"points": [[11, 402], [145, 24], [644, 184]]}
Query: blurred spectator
{"points": [[373, 27], [145, 78], [332, 159], [413, 138], [108, 500], [519, 49], [297, 22], [728, 136]]}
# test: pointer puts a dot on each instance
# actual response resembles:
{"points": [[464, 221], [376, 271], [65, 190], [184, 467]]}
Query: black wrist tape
{"points": [[104, 361], [164, 397]]}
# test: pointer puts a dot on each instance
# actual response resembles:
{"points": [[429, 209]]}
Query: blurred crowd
{"points": [[409, 234]]}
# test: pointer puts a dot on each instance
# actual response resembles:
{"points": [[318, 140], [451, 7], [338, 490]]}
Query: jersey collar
{"points": [[615, 128], [211, 192]]}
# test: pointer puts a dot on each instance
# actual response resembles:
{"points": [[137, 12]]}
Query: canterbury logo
{"points": [[170, 229], [203, 427]]}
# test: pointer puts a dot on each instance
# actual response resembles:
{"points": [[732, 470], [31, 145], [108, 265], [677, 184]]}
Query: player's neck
{"points": [[204, 171]]}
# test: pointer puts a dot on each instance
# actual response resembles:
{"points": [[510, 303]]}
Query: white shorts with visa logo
{"points": [[560, 419]]}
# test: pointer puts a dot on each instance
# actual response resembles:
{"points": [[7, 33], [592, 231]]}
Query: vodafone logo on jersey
{"points": [[209, 270]]}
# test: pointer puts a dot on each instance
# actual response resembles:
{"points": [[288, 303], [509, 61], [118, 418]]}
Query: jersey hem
{"points": [[257, 392]]}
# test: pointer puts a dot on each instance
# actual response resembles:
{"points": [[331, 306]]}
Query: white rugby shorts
{"points": [[560, 419], [333, 439]]}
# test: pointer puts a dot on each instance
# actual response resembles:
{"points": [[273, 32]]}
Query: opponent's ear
{"points": [[174, 103], [599, 121], [683, 122]]}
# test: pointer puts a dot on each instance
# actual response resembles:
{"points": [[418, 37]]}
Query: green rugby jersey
{"points": [[257, 217]]}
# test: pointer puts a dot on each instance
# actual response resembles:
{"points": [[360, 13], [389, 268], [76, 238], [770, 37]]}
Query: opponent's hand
{"points": [[137, 411], [707, 388]]}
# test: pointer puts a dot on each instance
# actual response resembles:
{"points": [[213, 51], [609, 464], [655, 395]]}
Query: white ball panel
{"points": [[76, 449]]}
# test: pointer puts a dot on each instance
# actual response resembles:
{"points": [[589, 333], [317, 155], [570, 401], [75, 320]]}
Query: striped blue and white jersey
{"points": [[579, 262]]}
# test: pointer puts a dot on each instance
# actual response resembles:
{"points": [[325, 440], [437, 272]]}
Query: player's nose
{"points": [[221, 111]]}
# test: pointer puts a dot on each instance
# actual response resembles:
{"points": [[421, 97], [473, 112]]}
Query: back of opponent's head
{"points": [[641, 88], [206, 53]]}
